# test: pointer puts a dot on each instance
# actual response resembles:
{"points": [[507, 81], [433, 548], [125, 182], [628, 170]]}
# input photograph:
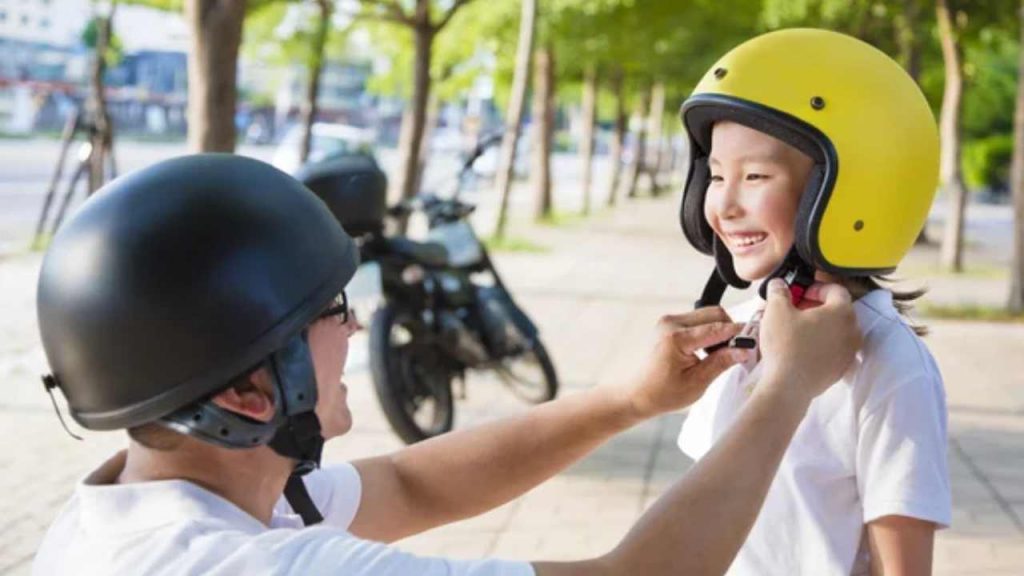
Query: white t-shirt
{"points": [[176, 527], [872, 445]]}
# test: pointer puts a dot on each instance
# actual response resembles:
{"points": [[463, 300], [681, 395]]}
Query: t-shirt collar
{"points": [[119, 508]]}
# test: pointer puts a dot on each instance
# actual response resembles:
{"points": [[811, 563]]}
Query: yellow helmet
{"points": [[852, 109]]}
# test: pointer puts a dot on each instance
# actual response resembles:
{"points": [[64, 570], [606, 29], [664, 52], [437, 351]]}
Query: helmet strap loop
{"points": [[49, 383], [796, 272], [298, 498]]}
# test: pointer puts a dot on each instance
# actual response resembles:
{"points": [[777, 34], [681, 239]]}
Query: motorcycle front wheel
{"points": [[529, 375], [413, 386]]}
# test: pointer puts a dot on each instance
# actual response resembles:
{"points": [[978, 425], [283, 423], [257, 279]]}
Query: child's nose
{"points": [[726, 203]]}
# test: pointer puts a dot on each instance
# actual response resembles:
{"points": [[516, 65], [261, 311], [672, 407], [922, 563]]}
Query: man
{"points": [[196, 304]]}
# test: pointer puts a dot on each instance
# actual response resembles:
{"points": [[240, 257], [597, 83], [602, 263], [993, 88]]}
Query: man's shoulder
{"points": [[187, 546]]}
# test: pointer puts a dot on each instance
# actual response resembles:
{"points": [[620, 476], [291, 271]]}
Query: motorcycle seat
{"points": [[426, 253]]}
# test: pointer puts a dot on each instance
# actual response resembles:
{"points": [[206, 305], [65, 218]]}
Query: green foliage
{"points": [[970, 312], [165, 5], [458, 53], [115, 48], [283, 32], [986, 161], [514, 244], [570, 220], [647, 40], [991, 71]]}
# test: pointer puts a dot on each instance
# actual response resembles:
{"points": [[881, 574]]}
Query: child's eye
{"points": [[717, 178], [753, 177]]}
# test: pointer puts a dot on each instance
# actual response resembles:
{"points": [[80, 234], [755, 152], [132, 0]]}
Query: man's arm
{"points": [[698, 526], [901, 546], [468, 472]]}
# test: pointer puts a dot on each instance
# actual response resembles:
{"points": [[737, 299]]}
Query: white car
{"points": [[328, 140]]}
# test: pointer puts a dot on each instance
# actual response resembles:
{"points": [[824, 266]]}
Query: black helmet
{"points": [[175, 279]]}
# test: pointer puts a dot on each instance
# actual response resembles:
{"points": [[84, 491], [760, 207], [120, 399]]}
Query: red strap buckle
{"points": [[796, 293]]}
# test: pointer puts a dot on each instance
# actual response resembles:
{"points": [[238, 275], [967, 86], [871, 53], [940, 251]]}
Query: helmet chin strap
{"points": [[797, 273], [299, 437]]}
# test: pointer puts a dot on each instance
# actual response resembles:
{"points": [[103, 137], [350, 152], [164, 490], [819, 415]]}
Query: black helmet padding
{"points": [[173, 280]]}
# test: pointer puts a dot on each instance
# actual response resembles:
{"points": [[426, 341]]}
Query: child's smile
{"points": [[744, 242]]}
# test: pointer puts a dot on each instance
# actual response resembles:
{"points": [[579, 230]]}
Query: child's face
{"points": [[751, 202]]}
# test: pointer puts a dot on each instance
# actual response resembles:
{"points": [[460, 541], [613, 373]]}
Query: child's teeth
{"points": [[749, 240]]}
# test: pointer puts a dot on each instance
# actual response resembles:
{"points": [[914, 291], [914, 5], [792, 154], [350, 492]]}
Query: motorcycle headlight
{"points": [[413, 274]]}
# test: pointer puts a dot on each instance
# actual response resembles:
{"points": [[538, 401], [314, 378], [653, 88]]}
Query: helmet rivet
{"points": [[858, 225], [720, 73], [817, 102]]}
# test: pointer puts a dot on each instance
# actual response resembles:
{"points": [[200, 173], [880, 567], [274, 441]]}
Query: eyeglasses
{"points": [[338, 308]]}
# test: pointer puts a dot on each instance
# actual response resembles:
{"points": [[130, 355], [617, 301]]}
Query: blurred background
{"points": [[578, 203]]}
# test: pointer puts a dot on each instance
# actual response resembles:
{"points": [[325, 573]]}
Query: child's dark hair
{"points": [[902, 300]]}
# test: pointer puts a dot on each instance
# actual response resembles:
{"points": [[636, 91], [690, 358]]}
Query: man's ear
{"points": [[251, 396]]}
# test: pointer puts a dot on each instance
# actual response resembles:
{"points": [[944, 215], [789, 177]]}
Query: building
{"points": [[44, 66]]}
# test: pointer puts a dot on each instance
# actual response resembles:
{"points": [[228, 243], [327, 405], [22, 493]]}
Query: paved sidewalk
{"points": [[596, 294]]}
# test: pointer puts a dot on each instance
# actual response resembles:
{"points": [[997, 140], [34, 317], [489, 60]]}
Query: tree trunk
{"points": [[433, 109], [1016, 301], [673, 151], [654, 124], [423, 36], [640, 144], [543, 130], [514, 117], [950, 175], [100, 134], [215, 35], [619, 140], [587, 144], [316, 67], [404, 135]]}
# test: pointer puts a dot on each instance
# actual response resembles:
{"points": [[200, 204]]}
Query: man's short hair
{"points": [[156, 437]]}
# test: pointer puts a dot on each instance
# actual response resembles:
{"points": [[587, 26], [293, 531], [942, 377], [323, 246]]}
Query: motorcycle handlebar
{"points": [[429, 202], [481, 146]]}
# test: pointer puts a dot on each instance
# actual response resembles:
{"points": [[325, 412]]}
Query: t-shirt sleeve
{"points": [[902, 466], [339, 502], [323, 551], [336, 490], [695, 436]]}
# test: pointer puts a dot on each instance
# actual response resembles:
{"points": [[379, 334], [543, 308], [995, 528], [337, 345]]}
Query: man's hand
{"points": [[806, 351], [675, 377]]}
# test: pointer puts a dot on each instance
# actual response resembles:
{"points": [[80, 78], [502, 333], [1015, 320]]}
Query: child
{"points": [[814, 156]]}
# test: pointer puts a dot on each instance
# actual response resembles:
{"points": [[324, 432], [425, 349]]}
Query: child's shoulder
{"points": [[892, 356]]}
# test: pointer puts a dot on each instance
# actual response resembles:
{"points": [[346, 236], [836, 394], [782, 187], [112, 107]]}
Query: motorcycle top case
{"points": [[353, 187]]}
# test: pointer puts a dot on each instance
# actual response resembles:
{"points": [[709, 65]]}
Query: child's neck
{"points": [[856, 289]]}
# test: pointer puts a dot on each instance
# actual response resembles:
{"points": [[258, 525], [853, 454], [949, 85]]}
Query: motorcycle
{"points": [[445, 311]]}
